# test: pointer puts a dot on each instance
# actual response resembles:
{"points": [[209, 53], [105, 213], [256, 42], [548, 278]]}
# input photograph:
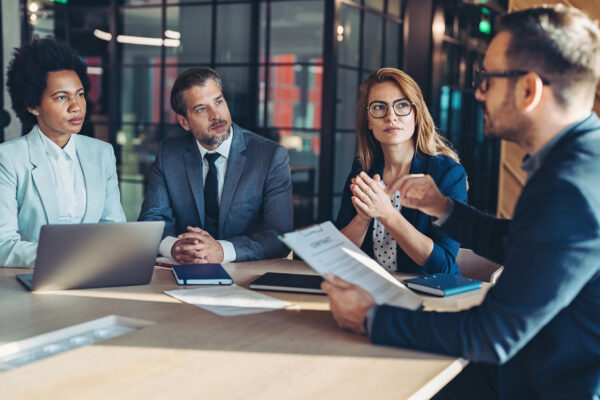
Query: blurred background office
{"points": [[290, 68]]}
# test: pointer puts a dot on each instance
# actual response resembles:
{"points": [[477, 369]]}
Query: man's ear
{"points": [[183, 122], [530, 91], [33, 111]]}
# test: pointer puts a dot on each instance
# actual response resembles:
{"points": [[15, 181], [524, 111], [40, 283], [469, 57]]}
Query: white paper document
{"points": [[228, 301], [326, 249]]}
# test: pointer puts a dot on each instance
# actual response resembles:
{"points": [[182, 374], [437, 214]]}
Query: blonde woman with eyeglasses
{"points": [[396, 137]]}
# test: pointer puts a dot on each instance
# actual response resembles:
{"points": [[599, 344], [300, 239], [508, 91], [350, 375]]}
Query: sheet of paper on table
{"points": [[228, 301]]}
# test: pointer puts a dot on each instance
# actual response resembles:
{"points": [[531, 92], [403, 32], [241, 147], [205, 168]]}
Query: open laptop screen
{"points": [[81, 256]]}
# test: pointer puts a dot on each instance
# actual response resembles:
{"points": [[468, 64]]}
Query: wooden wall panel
{"points": [[511, 178], [590, 6]]}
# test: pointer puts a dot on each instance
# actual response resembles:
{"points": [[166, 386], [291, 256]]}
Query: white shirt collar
{"points": [[54, 150], [223, 148]]}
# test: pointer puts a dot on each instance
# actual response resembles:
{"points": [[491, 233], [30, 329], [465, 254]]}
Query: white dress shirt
{"points": [[67, 178], [221, 165]]}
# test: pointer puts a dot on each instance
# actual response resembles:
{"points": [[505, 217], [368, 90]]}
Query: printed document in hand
{"points": [[326, 249], [228, 301]]}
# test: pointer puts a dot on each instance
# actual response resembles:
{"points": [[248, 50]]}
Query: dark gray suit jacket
{"points": [[256, 203]]}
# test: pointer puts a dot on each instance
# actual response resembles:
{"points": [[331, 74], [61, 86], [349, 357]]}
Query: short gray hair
{"points": [[561, 44], [187, 79]]}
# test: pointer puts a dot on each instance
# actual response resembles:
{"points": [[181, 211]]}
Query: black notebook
{"points": [[279, 282], [201, 274]]}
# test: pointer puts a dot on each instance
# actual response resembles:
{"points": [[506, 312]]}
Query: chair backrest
{"points": [[476, 267]]}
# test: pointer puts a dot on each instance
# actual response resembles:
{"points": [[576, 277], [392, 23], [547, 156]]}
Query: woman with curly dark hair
{"points": [[51, 175], [396, 136]]}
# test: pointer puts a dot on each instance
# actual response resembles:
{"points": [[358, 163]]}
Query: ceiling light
{"points": [[102, 35], [172, 34], [94, 70], [141, 40]]}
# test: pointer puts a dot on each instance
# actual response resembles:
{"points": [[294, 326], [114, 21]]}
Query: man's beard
{"points": [[215, 140], [511, 126]]}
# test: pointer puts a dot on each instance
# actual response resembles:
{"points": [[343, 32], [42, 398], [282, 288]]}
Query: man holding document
{"points": [[537, 333], [327, 250]]}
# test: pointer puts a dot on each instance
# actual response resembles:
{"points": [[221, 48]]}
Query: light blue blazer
{"points": [[28, 199]]}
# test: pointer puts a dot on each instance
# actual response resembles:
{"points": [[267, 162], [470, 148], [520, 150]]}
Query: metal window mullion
{"points": [[361, 39], [213, 42], [114, 81], [254, 84], [328, 117], [163, 53], [267, 62], [385, 27]]}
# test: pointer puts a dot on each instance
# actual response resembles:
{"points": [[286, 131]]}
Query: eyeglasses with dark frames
{"points": [[379, 109], [482, 77]]}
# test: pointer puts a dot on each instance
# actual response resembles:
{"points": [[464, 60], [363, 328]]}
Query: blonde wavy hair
{"points": [[427, 139]]}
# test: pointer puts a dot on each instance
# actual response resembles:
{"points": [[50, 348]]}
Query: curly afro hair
{"points": [[27, 73]]}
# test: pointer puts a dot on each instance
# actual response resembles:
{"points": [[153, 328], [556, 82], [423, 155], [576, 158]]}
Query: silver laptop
{"points": [[85, 256]]}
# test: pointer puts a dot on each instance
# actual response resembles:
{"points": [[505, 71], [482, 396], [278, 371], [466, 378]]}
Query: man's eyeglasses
{"points": [[482, 77], [401, 107]]}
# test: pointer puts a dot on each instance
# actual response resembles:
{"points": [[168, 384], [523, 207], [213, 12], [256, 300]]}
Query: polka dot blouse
{"points": [[384, 245]]}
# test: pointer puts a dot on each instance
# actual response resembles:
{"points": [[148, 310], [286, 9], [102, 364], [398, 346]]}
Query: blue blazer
{"points": [[541, 321], [28, 199], [256, 203], [450, 178]]}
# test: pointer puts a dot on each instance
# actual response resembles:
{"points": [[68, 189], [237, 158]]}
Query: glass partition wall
{"points": [[368, 36], [461, 33], [290, 69]]}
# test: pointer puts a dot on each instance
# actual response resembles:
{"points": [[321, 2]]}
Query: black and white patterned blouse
{"points": [[384, 245]]}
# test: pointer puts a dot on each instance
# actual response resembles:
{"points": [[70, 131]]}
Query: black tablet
{"points": [[279, 282]]}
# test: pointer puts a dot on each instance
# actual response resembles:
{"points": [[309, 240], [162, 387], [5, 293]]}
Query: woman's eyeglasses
{"points": [[401, 107]]}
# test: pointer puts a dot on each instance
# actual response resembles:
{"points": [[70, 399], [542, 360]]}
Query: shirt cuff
{"points": [[441, 220], [166, 245], [370, 319], [228, 251]]}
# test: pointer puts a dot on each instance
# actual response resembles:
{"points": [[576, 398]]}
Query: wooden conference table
{"points": [[298, 353]]}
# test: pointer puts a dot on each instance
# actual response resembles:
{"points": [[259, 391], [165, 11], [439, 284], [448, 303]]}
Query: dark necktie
{"points": [[211, 196]]}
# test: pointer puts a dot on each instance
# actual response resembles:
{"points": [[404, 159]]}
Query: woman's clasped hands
{"points": [[370, 198]]}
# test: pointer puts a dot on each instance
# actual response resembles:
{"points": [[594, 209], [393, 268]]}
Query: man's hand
{"points": [[197, 247], [349, 303], [420, 191], [370, 198]]}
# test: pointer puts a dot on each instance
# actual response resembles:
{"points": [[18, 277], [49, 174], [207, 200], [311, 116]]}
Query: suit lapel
{"points": [[92, 175], [235, 167], [42, 176], [193, 168]]}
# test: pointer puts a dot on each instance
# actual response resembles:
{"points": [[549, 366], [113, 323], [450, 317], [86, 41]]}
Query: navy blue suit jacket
{"points": [[256, 203], [541, 321], [450, 178]]}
